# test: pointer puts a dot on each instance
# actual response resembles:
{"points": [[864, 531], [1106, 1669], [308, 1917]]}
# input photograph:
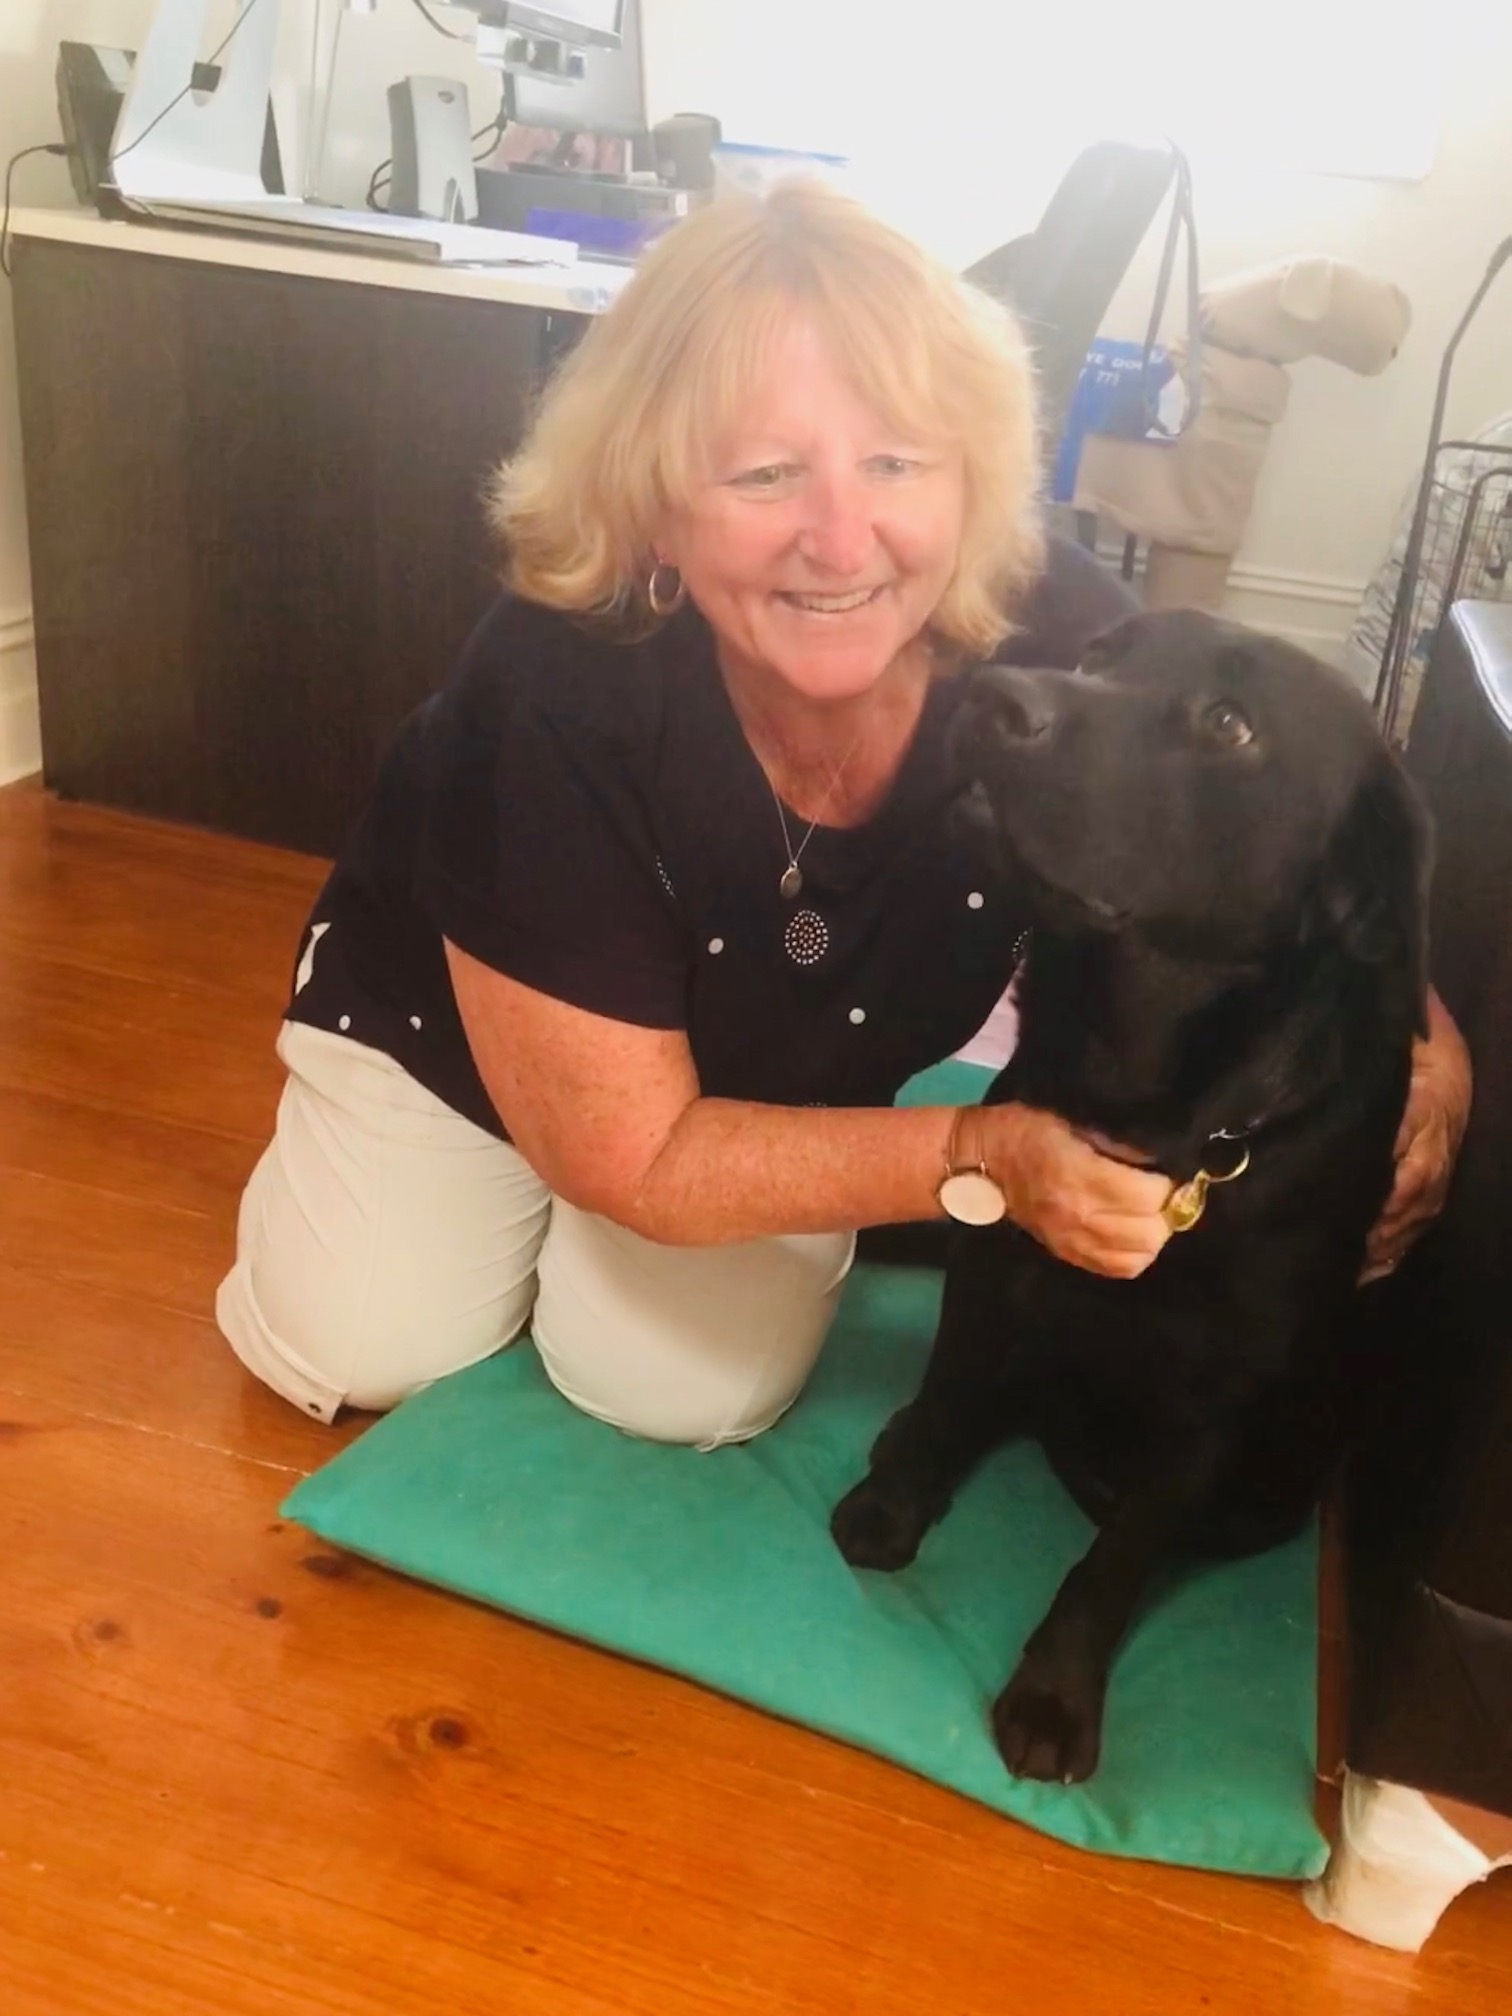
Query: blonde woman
{"points": [[598, 1021]]}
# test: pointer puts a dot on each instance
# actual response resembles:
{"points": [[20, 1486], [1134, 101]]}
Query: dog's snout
{"points": [[1021, 705]]}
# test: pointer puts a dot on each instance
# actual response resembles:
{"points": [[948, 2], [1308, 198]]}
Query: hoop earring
{"points": [[664, 602]]}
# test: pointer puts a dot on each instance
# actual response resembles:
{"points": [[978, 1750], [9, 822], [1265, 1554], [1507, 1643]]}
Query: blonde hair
{"points": [[625, 428]]}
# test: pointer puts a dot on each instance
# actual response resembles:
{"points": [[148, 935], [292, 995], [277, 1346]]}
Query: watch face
{"points": [[973, 1199]]}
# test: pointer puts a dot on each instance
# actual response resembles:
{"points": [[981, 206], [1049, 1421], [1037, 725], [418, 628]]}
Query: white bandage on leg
{"points": [[1397, 1866]]}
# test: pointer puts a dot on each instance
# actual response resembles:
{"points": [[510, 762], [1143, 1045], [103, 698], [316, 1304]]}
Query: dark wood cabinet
{"points": [[256, 531]]}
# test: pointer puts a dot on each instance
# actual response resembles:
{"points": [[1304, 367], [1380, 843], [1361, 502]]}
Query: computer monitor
{"points": [[590, 21], [609, 99]]}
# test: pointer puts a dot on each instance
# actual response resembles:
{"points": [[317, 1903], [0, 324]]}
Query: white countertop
{"points": [[586, 288]]}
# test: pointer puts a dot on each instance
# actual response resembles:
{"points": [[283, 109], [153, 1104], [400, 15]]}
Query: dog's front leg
{"points": [[971, 1399], [1048, 1719]]}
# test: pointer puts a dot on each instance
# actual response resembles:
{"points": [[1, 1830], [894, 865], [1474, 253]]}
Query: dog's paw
{"points": [[1049, 1726], [873, 1530]]}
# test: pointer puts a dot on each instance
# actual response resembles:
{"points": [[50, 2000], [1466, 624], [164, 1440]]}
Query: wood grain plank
{"points": [[378, 1764], [177, 1167], [247, 1773], [72, 1233], [223, 913], [99, 1355], [139, 1047]]}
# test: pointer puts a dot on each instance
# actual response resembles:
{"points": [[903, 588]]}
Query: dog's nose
{"points": [[1019, 704]]}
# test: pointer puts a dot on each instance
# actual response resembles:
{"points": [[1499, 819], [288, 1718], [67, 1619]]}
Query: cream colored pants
{"points": [[385, 1241]]}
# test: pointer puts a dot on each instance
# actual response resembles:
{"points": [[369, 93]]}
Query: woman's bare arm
{"points": [[610, 1115]]}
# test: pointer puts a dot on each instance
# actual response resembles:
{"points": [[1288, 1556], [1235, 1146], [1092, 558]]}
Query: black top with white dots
{"points": [[588, 818]]}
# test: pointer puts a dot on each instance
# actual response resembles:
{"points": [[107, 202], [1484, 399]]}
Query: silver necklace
{"points": [[790, 886]]}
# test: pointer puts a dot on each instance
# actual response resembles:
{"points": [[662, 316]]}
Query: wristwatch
{"points": [[968, 1192]]}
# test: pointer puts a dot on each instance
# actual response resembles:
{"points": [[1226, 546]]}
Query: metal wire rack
{"points": [[1460, 541]]}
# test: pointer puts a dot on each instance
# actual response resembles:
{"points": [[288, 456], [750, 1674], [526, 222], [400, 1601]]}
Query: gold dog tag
{"points": [[1187, 1201]]}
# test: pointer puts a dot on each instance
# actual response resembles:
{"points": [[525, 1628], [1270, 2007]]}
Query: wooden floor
{"points": [[241, 1774]]}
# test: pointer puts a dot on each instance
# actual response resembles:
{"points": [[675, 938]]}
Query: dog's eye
{"points": [[1227, 725]]}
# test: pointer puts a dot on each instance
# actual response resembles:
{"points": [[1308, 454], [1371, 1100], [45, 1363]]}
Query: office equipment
{"points": [[182, 157], [606, 213], [609, 214], [586, 21], [174, 141], [682, 149], [432, 241], [91, 85], [430, 144], [546, 36], [607, 96]]}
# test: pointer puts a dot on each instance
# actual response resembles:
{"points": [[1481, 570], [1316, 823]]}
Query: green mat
{"points": [[721, 1567]]}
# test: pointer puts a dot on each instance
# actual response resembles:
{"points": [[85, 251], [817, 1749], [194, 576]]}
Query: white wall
{"points": [[960, 142]]}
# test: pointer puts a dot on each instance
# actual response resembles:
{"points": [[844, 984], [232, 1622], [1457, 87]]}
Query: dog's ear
{"points": [[1372, 893], [1108, 646]]}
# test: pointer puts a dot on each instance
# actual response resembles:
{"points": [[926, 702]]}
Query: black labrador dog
{"points": [[1225, 869]]}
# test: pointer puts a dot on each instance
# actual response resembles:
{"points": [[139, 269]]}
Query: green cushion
{"points": [[721, 1567]]}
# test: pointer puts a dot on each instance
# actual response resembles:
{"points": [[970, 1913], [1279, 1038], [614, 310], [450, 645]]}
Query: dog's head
{"points": [[1219, 790]]}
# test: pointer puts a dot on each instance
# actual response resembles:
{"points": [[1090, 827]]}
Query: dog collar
{"points": [[1188, 1201]]}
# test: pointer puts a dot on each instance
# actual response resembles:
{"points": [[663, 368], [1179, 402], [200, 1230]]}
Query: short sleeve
{"points": [[536, 853]]}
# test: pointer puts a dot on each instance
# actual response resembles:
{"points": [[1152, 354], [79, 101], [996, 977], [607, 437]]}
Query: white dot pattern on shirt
{"points": [[858, 1016], [415, 1022], [345, 1022], [716, 945], [806, 939], [975, 900]]}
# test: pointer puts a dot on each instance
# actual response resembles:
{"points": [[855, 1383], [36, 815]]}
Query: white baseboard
{"points": [[1315, 611], [20, 734]]}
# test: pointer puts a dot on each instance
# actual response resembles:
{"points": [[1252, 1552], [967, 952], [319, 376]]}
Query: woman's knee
{"points": [[696, 1345], [329, 1327], [374, 1259]]}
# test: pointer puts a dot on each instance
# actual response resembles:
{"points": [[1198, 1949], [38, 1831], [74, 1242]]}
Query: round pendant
{"points": [[791, 884]]}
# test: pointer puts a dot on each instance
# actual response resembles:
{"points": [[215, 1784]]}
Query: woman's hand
{"points": [[1428, 1141], [1096, 1213]]}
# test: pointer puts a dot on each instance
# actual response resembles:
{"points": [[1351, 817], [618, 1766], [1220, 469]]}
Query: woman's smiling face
{"points": [[818, 542]]}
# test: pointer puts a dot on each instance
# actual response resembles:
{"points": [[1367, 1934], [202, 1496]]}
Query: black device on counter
{"points": [[605, 95], [505, 194], [683, 150], [430, 141], [92, 83], [593, 23], [609, 215]]}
